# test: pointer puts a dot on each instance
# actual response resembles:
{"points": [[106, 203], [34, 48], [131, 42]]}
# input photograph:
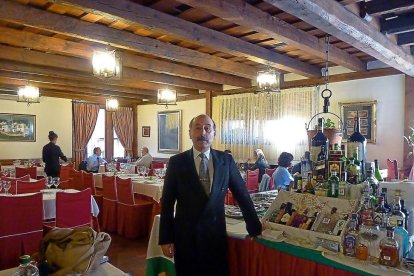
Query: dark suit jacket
{"points": [[198, 229], [50, 155]]}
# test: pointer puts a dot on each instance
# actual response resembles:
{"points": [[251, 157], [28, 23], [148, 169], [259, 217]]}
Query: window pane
{"points": [[98, 135], [118, 148]]}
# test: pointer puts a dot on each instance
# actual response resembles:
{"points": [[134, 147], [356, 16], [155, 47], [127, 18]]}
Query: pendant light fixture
{"points": [[111, 105], [167, 97], [268, 81], [107, 64], [28, 94]]}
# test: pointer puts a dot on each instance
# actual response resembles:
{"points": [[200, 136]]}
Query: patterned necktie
{"points": [[203, 173]]}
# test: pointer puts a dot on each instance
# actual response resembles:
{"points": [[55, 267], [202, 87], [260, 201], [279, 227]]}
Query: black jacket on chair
{"points": [[198, 228]]}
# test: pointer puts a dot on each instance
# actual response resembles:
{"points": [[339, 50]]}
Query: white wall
{"points": [[51, 114], [389, 92], [147, 116]]}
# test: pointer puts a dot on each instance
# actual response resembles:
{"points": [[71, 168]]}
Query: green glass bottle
{"points": [[333, 182]]}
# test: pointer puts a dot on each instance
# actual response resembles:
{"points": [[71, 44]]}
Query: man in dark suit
{"points": [[197, 181]]}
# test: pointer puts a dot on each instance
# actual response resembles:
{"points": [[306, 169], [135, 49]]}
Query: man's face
{"points": [[143, 151], [98, 152], [202, 133]]}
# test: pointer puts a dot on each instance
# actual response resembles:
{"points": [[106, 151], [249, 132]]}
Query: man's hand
{"points": [[168, 250]]}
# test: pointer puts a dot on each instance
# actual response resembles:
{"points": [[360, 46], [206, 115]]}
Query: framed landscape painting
{"points": [[169, 131], [367, 113], [17, 127]]}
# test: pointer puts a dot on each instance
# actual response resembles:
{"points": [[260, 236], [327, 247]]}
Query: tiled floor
{"points": [[128, 255]]}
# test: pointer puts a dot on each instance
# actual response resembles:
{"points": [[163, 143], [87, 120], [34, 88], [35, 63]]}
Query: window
{"points": [[98, 135], [119, 150]]}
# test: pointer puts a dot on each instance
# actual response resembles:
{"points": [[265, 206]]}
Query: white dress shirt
{"points": [[145, 160], [197, 161]]}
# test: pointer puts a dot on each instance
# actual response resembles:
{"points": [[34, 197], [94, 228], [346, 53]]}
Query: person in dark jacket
{"points": [[51, 154], [192, 224]]}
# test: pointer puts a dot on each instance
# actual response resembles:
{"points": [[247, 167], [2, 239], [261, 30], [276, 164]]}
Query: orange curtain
{"points": [[85, 116], [123, 121]]}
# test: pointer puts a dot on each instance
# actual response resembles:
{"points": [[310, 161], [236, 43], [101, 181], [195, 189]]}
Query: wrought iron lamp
{"points": [[111, 105], [28, 94], [107, 64], [268, 81], [166, 97]]}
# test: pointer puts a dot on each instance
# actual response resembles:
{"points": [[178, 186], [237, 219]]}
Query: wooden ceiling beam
{"points": [[400, 24], [244, 14], [156, 21], [80, 65], [380, 7], [15, 12], [56, 45], [406, 38], [333, 18]]}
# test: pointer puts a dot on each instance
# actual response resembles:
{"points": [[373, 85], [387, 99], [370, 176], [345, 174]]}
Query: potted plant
{"points": [[333, 134]]}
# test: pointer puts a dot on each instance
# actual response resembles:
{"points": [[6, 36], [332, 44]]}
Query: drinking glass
{"points": [[140, 170], [49, 182], [56, 181], [6, 186], [145, 171], [157, 173], [1, 185]]}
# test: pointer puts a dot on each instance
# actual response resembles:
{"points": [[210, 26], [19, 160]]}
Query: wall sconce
{"points": [[111, 105], [268, 81], [28, 94], [106, 64], [166, 97]]}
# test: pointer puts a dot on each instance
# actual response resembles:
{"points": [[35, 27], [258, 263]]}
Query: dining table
{"points": [[40, 171]]}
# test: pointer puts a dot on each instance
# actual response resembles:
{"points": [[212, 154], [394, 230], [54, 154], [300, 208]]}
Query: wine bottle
{"points": [[358, 142], [377, 173], [319, 148]]}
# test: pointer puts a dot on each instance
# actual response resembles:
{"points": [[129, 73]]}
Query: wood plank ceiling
{"points": [[193, 46]]}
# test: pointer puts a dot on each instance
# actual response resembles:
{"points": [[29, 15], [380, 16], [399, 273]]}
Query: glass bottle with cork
{"points": [[319, 154], [333, 182], [357, 142], [350, 237]]}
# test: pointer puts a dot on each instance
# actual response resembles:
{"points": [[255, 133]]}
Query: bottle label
{"points": [[349, 245], [315, 150], [341, 191], [387, 258]]}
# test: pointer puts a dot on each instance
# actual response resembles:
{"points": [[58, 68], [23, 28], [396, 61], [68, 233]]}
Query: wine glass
{"points": [[6, 186], [140, 170], [49, 182], [1, 185], [145, 171], [56, 181], [157, 173]]}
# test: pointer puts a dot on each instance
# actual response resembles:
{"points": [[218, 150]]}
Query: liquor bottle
{"points": [[384, 196], [287, 213], [396, 213], [380, 214], [389, 247], [358, 142], [343, 190], [377, 173], [319, 143], [26, 267], [333, 182], [406, 213], [353, 171], [281, 212], [372, 182], [402, 237], [350, 237], [365, 212]]}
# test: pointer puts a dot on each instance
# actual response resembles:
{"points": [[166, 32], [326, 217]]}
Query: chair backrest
{"points": [[24, 187], [76, 180], [157, 165], [32, 171], [270, 172], [124, 191], [392, 167], [73, 209], [13, 180], [252, 181], [65, 184], [19, 236], [88, 182], [65, 172], [109, 187]]}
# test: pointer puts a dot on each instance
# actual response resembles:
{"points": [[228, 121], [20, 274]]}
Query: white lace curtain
{"points": [[274, 123]]}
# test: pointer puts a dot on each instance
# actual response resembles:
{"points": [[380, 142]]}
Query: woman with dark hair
{"points": [[51, 154], [282, 176]]}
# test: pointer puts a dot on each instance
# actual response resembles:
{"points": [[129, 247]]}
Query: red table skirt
{"points": [[248, 257]]}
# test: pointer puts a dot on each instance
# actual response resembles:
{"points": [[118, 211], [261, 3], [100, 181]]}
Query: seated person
{"points": [[281, 176], [146, 158], [261, 163], [95, 160]]}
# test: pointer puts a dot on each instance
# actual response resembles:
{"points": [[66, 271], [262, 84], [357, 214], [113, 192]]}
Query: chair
{"points": [[157, 165], [252, 181], [65, 172], [392, 167], [65, 184], [13, 180], [134, 217], [89, 182], [73, 209], [109, 204], [17, 236], [32, 171], [76, 180], [270, 172], [24, 187]]}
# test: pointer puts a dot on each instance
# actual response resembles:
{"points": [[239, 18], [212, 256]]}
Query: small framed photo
{"points": [[350, 123], [146, 131], [363, 122], [367, 112], [364, 131], [352, 114], [349, 131], [363, 114]]}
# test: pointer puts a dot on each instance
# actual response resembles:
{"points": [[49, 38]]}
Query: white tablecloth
{"points": [[39, 170], [141, 185]]}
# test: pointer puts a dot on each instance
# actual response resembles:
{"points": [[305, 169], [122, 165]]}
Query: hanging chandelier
{"points": [[166, 97], [106, 64], [111, 105], [28, 94], [268, 81]]}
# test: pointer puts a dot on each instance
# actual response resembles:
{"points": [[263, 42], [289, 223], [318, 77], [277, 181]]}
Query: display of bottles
{"points": [[389, 248], [402, 237], [380, 214], [377, 173], [26, 268], [350, 237], [372, 182], [357, 142], [406, 213], [396, 213], [333, 182], [319, 150], [343, 190]]}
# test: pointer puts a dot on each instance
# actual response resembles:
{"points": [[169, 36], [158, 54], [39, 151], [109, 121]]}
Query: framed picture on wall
{"points": [[146, 131], [169, 131], [367, 112], [17, 127]]}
